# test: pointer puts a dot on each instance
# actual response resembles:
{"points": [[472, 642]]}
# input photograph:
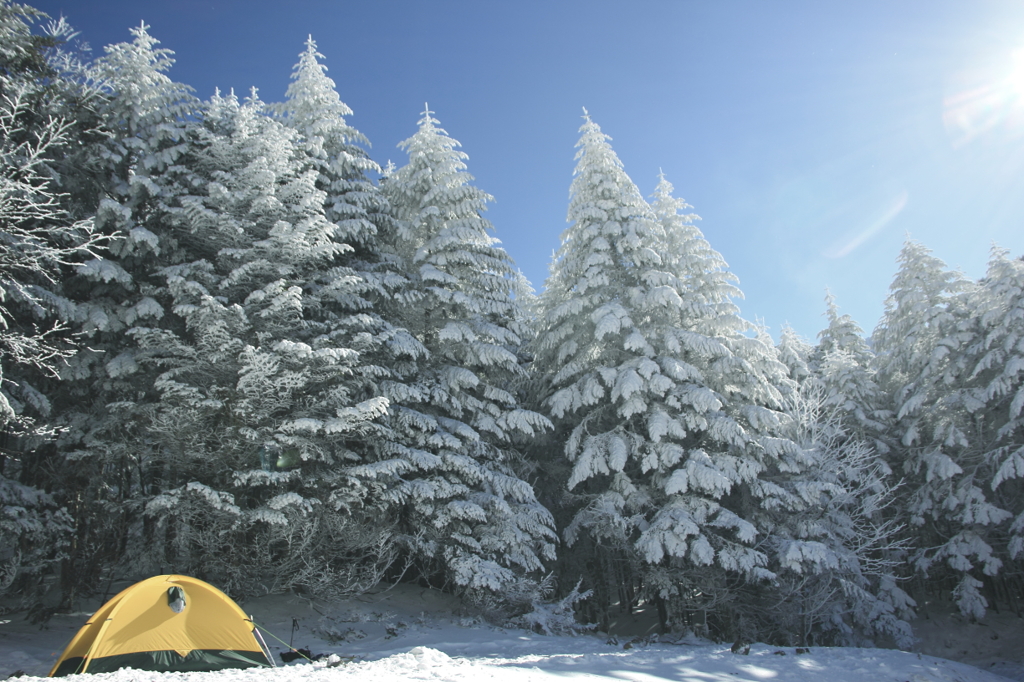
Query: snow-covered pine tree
{"points": [[920, 343], [265, 399], [920, 317], [836, 545], [842, 333], [994, 398], [795, 353], [353, 202], [314, 109], [702, 271], [975, 420], [142, 115], [669, 413], [844, 364], [456, 421]]}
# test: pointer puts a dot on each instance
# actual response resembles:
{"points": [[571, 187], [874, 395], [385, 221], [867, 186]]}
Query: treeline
{"points": [[235, 347]]}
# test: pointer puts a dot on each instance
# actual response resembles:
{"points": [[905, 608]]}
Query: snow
{"points": [[410, 633]]}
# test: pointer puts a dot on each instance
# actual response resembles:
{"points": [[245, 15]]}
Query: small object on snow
{"points": [[741, 647], [289, 656], [779, 652], [334, 660], [803, 650]]}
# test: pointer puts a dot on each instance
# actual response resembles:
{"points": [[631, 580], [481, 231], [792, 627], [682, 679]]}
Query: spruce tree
{"points": [[920, 343], [456, 419], [265, 398], [973, 499], [795, 353], [710, 287], [314, 109], [844, 364], [669, 413], [994, 362], [836, 545], [142, 115]]}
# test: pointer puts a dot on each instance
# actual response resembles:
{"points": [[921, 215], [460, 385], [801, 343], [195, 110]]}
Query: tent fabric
{"points": [[140, 628], [165, 661]]}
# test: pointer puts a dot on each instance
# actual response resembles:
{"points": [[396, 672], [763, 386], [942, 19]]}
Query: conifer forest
{"points": [[233, 346]]}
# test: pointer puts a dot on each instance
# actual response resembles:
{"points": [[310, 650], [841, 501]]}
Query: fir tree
{"points": [[702, 272], [844, 364], [266, 399], [456, 419], [995, 398], [920, 341], [315, 110], [104, 398], [973, 498], [669, 413], [795, 353], [837, 545]]}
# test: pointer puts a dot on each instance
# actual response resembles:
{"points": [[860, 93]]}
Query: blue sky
{"points": [[811, 137]]}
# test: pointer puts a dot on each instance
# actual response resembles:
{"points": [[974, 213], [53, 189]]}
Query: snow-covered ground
{"points": [[408, 633]]}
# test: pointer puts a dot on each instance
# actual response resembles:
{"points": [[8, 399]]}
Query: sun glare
{"points": [[988, 101]]}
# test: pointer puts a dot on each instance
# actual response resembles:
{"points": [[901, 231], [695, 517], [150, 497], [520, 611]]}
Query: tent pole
{"points": [[263, 642]]}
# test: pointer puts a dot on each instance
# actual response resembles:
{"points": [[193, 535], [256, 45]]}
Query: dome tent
{"points": [[169, 623]]}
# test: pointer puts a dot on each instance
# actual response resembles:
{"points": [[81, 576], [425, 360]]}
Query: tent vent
{"points": [[176, 599]]}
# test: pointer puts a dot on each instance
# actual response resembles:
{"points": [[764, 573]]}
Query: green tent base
{"points": [[197, 660]]}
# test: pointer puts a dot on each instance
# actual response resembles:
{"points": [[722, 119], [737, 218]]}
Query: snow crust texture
{"points": [[584, 661]]}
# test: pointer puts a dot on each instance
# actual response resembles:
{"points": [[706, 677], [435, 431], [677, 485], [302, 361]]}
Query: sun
{"points": [[985, 102]]}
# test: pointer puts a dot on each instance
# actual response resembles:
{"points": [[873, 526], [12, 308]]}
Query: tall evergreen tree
{"points": [[844, 364], [314, 109], [837, 544], [265, 395], [454, 412], [795, 353], [994, 399], [970, 444], [920, 343], [143, 114], [710, 287], [669, 413]]}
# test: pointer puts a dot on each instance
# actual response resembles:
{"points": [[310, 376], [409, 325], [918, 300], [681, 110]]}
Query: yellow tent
{"points": [[168, 623]]}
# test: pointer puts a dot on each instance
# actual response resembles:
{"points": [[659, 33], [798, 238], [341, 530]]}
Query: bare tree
{"points": [[37, 238]]}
